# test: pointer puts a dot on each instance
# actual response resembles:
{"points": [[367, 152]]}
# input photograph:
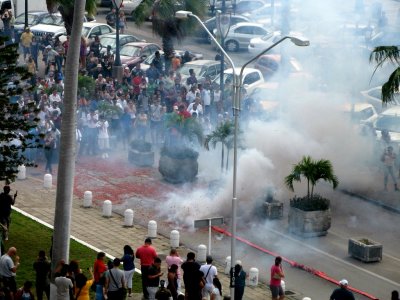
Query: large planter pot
{"points": [[309, 223], [365, 250], [178, 170], [141, 159], [273, 210]]}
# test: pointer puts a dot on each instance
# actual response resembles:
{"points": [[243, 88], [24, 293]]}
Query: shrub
{"points": [[179, 152], [316, 202]]}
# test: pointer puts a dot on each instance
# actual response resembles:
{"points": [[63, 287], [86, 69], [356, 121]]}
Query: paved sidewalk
{"points": [[38, 201]]}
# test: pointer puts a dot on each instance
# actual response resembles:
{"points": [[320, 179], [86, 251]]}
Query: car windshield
{"points": [[52, 20], [108, 41], [198, 70], [32, 19], [390, 123], [130, 51]]}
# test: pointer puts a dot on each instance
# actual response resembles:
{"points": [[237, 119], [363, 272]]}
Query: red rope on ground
{"points": [[294, 264]]}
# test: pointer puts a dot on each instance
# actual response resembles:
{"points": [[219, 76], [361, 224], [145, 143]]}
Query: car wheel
{"points": [[232, 46]]}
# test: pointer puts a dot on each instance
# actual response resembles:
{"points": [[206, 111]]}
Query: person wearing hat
{"points": [[210, 272], [147, 254], [342, 293], [26, 41]]}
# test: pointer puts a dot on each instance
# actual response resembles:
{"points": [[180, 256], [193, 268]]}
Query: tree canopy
{"points": [[17, 114]]}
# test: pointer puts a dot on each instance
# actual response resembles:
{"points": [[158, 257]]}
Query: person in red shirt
{"points": [[146, 254], [99, 267], [276, 277]]}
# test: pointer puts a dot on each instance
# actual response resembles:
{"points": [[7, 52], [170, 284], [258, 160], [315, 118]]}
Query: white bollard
{"points": [[152, 229], [87, 199], [201, 253], [227, 269], [306, 298], [174, 238], [48, 181], [253, 277], [107, 208], [21, 172], [128, 218]]}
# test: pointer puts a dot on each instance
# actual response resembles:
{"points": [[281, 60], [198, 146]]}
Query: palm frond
{"points": [[391, 87]]}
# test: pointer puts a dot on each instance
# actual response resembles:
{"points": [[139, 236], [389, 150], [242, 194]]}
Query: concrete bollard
{"points": [[152, 229], [48, 181], [21, 172], [174, 238], [253, 277], [128, 218], [227, 269], [107, 208], [87, 199], [201, 253], [306, 298]]}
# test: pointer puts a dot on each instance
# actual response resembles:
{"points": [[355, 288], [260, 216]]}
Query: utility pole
{"points": [[26, 13], [222, 65]]}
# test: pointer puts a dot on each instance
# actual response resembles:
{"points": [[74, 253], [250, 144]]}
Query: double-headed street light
{"points": [[237, 85], [117, 67]]}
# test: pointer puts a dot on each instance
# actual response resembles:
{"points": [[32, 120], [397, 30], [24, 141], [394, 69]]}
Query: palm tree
{"points": [[73, 15], [222, 134], [67, 8], [313, 171], [388, 54], [165, 24]]}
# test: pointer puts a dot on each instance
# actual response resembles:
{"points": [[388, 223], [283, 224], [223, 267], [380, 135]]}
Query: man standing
{"points": [[110, 18], [154, 274], [147, 255], [276, 277], [26, 41], [6, 201], [191, 277], [210, 272], [342, 293], [8, 269], [389, 159], [42, 268]]}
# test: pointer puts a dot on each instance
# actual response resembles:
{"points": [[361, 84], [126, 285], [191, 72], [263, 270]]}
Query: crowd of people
{"points": [[118, 111]]}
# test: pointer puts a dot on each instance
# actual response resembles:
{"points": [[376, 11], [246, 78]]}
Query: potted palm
{"points": [[310, 215], [178, 157]]}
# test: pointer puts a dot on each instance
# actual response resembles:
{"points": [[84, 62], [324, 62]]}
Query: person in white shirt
{"points": [[55, 97], [195, 107], [210, 272], [103, 137], [205, 99], [192, 93]]}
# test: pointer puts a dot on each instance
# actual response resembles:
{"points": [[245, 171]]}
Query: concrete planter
{"points": [[178, 170], [273, 210], [309, 223], [365, 250], [141, 159]]}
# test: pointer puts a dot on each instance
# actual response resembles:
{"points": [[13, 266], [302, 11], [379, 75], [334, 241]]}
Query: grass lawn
{"points": [[29, 237]]}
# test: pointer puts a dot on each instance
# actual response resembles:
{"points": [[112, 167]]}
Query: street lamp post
{"points": [[237, 82], [117, 67]]}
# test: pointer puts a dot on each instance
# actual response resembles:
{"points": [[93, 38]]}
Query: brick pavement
{"points": [[38, 201]]}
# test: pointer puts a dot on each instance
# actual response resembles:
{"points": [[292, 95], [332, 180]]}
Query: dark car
{"points": [[111, 40], [133, 53], [211, 24]]}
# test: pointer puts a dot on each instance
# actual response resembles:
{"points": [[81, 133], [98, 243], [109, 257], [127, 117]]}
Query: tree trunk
{"points": [[222, 158], [66, 170]]}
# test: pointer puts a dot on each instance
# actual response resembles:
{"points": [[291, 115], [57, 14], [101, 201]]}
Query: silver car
{"points": [[239, 35]]}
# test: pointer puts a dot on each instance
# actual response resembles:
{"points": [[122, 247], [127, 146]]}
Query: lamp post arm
{"points": [[214, 40]]}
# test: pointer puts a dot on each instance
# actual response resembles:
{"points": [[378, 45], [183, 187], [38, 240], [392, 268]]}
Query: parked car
{"points": [[133, 53], [54, 31], [34, 17], [251, 78], [211, 24], [270, 64], [201, 68], [361, 112], [239, 35], [264, 102], [111, 40], [389, 120], [244, 6], [374, 97], [104, 3], [258, 44], [129, 6]]}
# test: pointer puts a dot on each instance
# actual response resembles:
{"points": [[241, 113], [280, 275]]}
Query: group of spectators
{"points": [[115, 111]]}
